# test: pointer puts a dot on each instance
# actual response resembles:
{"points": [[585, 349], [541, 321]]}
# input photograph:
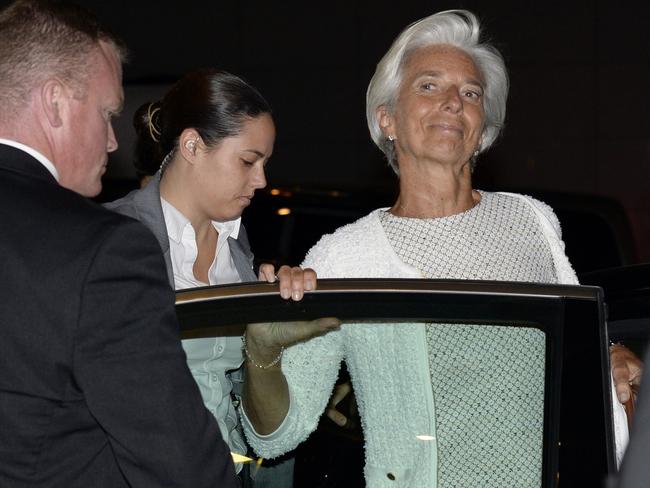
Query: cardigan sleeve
{"points": [[550, 226], [567, 275], [553, 233], [311, 369]]}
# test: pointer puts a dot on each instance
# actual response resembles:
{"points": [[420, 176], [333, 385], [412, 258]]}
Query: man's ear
{"points": [[53, 99], [188, 144], [385, 120]]}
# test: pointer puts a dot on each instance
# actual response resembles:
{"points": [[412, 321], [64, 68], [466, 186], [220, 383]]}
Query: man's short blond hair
{"points": [[41, 40]]}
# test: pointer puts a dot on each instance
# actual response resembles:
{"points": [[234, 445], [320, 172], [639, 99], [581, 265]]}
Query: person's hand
{"points": [[627, 369], [265, 341], [340, 392], [294, 282]]}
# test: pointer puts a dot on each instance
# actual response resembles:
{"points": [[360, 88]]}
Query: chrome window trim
{"points": [[370, 285]]}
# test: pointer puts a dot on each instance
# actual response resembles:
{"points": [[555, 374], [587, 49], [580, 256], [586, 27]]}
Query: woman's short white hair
{"points": [[458, 28]]}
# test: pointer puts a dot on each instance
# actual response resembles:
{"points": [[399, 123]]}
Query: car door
{"points": [[572, 375]]}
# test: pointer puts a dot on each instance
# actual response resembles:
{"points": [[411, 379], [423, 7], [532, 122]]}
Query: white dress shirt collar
{"points": [[176, 222], [183, 249], [35, 154]]}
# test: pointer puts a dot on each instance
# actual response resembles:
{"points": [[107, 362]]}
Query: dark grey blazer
{"points": [[144, 205]]}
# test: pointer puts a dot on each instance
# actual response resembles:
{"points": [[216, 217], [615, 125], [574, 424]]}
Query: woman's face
{"points": [[227, 175], [438, 114]]}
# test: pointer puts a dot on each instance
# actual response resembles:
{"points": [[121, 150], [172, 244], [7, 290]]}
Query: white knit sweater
{"points": [[387, 362]]}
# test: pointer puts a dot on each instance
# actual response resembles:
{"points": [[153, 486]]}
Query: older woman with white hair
{"points": [[437, 100]]}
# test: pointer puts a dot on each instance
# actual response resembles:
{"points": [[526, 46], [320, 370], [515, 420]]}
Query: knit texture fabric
{"points": [[488, 382], [389, 365]]}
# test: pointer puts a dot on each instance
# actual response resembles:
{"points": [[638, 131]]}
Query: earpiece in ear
{"points": [[191, 146]]}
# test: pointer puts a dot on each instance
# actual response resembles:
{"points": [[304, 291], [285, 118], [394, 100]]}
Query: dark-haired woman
{"points": [[211, 135]]}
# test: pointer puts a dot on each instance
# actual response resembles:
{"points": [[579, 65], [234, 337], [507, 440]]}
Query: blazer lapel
{"points": [[242, 257], [149, 211]]}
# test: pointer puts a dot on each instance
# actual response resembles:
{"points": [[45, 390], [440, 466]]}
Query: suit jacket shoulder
{"points": [[89, 337]]}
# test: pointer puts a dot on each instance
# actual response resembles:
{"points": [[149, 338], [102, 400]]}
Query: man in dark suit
{"points": [[94, 389]]}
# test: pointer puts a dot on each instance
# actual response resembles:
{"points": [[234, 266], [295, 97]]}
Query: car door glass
{"points": [[465, 382]]}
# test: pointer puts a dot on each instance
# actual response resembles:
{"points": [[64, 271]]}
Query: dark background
{"points": [[578, 109]]}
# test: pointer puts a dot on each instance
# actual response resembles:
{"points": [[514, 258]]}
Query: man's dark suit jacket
{"points": [[94, 389]]}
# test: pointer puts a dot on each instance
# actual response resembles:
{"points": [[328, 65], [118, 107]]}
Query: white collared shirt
{"points": [[183, 250], [209, 359], [35, 154]]}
